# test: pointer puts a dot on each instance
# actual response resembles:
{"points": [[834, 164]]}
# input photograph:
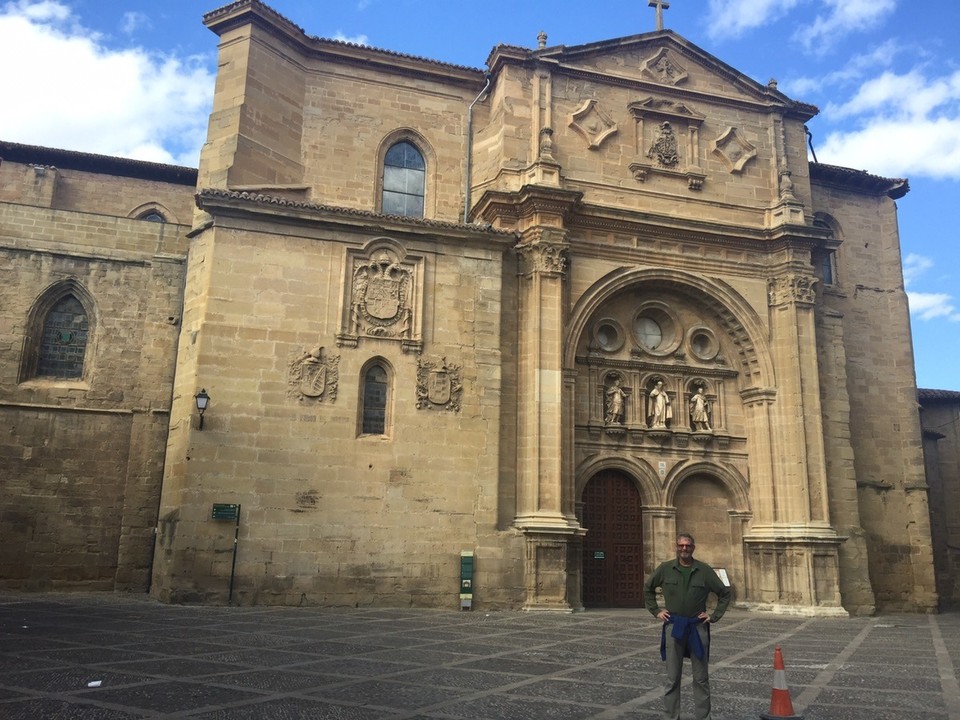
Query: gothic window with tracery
{"points": [[63, 340]]}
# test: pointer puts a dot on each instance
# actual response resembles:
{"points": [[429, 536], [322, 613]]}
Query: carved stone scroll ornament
{"points": [[314, 375], [439, 385], [792, 288], [733, 149], [593, 124], [664, 69]]}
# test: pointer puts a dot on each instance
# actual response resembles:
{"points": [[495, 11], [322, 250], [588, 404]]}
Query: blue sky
{"points": [[135, 78]]}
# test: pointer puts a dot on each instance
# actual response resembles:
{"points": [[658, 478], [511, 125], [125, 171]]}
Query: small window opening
{"points": [[374, 401]]}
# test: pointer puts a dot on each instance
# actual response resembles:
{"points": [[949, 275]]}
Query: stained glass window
{"points": [[63, 343]]}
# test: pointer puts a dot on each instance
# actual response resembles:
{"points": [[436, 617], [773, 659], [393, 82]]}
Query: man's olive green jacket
{"points": [[703, 581]]}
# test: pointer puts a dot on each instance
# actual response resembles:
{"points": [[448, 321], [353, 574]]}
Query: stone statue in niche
{"points": [[314, 376], [614, 397], [664, 148], [660, 409], [700, 410]]}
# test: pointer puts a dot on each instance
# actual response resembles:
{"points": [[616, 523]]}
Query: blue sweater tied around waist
{"points": [[685, 631]]}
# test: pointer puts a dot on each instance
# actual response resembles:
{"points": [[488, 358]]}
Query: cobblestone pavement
{"points": [[112, 657]]}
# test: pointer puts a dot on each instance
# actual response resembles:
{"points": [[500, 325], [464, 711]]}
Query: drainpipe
{"points": [[810, 143], [466, 189]]}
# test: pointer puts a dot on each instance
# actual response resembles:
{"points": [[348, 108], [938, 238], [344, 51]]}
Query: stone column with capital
{"points": [[545, 510], [791, 539]]}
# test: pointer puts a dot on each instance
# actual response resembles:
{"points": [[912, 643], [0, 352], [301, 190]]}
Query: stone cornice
{"points": [[596, 217], [529, 201], [260, 15], [226, 203]]}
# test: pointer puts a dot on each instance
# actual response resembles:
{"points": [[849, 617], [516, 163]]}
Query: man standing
{"points": [[686, 585]]}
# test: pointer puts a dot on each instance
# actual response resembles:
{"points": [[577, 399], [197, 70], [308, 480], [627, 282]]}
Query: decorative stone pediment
{"points": [[667, 110], [662, 67], [733, 149], [593, 124]]}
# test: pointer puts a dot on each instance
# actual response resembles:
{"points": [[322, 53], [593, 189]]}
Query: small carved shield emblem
{"points": [[383, 298], [438, 387], [313, 379]]}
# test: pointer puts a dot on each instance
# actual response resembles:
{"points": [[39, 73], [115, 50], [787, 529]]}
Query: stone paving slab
{"points": [[112, 657]]}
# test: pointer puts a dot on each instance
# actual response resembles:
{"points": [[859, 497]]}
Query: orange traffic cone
{"points": [[781, 708]]}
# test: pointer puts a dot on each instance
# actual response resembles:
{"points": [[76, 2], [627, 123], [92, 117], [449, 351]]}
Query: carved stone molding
{"points": [[661, 67], [664, 149], [382, 296], [313, 375], [667, 140], [593, 124], [733, 149], [542, 258], [796, 288], [439, 385], [660, 437]]}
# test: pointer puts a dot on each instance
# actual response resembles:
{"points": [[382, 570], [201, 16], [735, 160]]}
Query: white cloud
{"points": [[71, 91], [898, 125], [133, 21], [930, 306], [905, 95], [879, 57], [898, 148], [914, 266], [732, 19], [354, 39], [927, 306], [842, 18]]}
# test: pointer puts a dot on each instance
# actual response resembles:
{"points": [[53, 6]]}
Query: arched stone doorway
{"points": [[613, 546], [703, 510]]}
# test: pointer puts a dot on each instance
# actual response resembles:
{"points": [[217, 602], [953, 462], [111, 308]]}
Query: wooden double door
{"points": [[613, 546]]}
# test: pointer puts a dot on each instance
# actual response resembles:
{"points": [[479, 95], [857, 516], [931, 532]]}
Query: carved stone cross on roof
{"points": [[660, 5]]}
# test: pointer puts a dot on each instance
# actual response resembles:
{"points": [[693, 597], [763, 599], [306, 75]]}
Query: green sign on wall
{"points": [[224, 511]]}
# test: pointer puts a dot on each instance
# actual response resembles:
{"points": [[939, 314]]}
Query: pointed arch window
{"points": [[60, 330], [63, 340], [375, 394], [404, 174]]}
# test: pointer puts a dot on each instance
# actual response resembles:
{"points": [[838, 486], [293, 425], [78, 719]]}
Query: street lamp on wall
{"points": [[202, 401]]}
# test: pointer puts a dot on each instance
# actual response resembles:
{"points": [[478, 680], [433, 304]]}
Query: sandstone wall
{"points": [[881, 388], [82, 461]]}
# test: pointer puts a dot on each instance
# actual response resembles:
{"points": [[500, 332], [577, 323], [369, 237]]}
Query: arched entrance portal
{"points": [[613, 546], [703, 509]]}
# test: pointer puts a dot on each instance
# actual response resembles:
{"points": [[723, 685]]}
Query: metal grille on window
{"points": [[64, 340]]}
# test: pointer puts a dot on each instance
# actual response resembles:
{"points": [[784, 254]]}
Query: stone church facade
{"points": [[549, 314]]}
